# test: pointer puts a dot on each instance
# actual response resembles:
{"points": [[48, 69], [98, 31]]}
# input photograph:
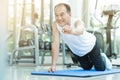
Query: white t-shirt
{"points": [[78, 44]]}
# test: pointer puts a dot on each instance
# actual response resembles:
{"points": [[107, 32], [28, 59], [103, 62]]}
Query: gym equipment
{"points": [[23, 43], [108, 29], [41, 44], [27, 44], [30, 42], [76, 73], [111, 11], [47, 45], [44, 40]]}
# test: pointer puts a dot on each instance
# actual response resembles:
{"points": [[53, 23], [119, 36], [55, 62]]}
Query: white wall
{"points": [[3, 37]]}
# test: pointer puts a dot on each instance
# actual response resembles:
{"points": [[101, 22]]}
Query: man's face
{"points": [[62, 16]]}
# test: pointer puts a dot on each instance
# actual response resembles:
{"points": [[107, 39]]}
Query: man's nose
{"points": [[59, 17]]}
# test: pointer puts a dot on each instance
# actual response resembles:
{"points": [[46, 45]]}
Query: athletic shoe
{"points": [[108, 64]]}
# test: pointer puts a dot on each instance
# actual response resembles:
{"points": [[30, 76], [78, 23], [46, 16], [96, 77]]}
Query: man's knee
{"points": [[87, 67]]}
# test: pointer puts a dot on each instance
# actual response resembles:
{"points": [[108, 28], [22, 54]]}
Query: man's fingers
{"points": [[51, 70], [66, 29]]}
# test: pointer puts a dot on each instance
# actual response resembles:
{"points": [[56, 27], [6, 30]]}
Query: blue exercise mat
{"points": [[76, 73]]}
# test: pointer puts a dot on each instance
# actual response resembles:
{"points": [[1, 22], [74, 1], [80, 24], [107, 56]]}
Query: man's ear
{"points": [[70, 14]]}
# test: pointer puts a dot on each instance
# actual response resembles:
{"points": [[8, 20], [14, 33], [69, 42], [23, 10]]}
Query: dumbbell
{"points": [[41, 44], [22, 43], [47, 45], [30, 42]]}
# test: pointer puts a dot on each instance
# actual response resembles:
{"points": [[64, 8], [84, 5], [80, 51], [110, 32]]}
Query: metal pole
{"points": [[63, 52], [36, 47]]}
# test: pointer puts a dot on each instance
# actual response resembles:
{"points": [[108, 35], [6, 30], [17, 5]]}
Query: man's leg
{"points": [[85, 62], [96, 59]]}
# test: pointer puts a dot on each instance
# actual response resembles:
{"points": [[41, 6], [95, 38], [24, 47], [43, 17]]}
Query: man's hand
{"points": [[66, 29], [52, 69]]}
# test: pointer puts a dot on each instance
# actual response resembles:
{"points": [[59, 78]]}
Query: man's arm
{"points": [[78, 30], [55, 47]]}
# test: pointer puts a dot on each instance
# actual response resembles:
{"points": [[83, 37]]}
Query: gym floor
{"points": [[22, 71]]}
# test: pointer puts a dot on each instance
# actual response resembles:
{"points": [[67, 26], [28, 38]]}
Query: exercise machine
{"points": [[44, 41], [111, 11]]}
